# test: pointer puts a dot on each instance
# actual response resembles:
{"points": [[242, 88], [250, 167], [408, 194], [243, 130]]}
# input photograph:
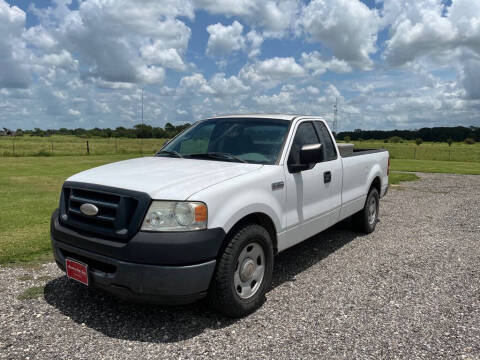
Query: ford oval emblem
{"points": [[89, 209]]}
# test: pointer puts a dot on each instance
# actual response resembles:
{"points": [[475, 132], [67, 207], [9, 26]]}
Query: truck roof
{"points": [[288, 117]]}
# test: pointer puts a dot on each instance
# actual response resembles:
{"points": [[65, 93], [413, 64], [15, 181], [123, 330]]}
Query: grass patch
{"points": [[397, 177], [33, 262], [430, 166], [31, 293]]}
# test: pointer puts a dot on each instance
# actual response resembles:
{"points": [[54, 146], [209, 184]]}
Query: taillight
{"points": [[388, 167]]}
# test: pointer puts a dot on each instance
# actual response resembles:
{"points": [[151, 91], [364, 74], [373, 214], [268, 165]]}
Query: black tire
{"points": [[363, 219], [222, 294]]}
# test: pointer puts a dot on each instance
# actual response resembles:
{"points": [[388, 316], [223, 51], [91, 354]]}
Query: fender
{"points": [[232, 200], [375, 171], [251, 209]]}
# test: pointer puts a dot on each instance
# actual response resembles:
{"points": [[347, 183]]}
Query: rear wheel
{"points": [[244, 272], [366, 219]]}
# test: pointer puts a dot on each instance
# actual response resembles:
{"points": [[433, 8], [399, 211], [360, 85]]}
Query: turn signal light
{"points": [[201, 213]]}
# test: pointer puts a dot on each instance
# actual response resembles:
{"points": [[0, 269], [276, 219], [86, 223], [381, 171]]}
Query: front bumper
{"points": [[150, 268]]}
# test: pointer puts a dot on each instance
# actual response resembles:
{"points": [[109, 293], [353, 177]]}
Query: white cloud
{"points": [[332, 93], [61, 60], [348, 27], [313, 61], [196, 82], [151, 74], [363, 87], [275, 16], [227, 86], [470, 78], [117, 41], [418, 28], [255, 41], [271, 71], [280, 68], [227, 7], [169, 58], [14, 69], [282, 99], [40, 37], [114, 85], [444, 36], [219, 85], [225, 39]]}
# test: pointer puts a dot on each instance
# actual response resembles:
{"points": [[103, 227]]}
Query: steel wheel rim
{"points": [[249, 270], [372, 210]]}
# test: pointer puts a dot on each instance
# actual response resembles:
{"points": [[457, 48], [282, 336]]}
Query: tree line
{"points": [[439, 134], [442, 134], [138, 131]]}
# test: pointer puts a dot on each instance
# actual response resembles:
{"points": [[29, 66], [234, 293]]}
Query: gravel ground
{"points": [[409, 290]]}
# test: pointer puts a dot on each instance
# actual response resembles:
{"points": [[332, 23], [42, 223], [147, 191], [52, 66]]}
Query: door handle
{"points": [[327, 177]]}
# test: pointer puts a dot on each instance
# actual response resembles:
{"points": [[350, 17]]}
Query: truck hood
{"points": [[164, 178]]}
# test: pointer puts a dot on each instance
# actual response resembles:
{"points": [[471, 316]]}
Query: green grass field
{"points": [[459, 151], [395, 178], [30, 189], [451, 167], [62, 145]]}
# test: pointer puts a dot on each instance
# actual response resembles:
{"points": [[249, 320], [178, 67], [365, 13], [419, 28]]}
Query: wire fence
{"points": [[57, 146], [432, 152], [72, 145]]}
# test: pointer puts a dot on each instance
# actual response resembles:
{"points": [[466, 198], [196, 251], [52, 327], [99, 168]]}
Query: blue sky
{"points": [[390, 64]]}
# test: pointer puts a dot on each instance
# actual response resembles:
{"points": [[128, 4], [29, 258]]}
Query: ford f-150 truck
{"points": [[205, 216]]}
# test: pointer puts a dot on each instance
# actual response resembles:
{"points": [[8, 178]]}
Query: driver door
{"points": [[308, 205]]}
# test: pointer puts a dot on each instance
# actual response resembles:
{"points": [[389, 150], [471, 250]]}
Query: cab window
{"points": [[329, 152], [305, 135]]}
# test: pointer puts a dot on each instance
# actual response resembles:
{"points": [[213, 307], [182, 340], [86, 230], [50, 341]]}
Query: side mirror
{"points": [[311, 154]]}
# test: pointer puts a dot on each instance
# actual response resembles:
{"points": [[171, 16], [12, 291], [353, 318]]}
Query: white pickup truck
{"points": [[205, 216]]}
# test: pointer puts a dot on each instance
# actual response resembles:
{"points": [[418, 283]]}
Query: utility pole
{"points": [[141, 142], [335, 110]]}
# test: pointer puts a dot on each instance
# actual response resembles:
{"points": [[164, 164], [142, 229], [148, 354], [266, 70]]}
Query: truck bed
{"points": [[358, 168], [357, 152]]}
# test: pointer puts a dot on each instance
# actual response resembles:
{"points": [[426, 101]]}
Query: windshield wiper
{"points": [[170, 152], [218, 155]]}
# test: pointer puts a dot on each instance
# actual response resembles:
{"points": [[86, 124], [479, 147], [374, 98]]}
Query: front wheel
{"points": [[244, 272], [366, 220]]}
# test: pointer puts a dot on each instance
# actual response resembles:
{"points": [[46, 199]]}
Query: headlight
{"points": [[175, 216]]}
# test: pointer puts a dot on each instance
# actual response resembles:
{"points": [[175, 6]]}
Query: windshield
{"points": [[249, 140]]}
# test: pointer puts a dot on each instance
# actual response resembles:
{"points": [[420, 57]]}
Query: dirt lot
{"points": [[409, 290]]}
